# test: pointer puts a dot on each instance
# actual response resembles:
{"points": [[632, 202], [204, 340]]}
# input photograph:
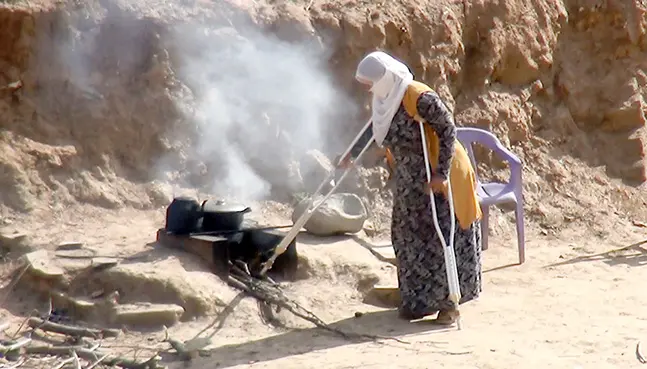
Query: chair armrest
{"points": [[506, 154], [515, 182]]}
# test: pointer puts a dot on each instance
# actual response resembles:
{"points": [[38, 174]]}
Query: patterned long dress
{"points": [[422, 278]]}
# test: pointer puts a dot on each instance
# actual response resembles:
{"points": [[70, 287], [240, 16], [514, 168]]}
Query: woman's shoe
{"points": [[447, 317], [408, 315]]}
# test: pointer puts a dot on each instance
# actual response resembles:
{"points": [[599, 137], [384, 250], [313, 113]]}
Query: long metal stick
{"points": [[448, 248], [314, 205]]}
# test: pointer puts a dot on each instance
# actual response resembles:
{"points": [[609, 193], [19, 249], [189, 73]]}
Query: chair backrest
{"points": [[470, 135]]}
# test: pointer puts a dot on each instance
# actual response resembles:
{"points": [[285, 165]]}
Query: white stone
{"points": [[41, 264], [146, 314]]}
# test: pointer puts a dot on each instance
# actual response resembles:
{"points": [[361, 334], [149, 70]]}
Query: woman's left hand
{"points": [[437, 185]]}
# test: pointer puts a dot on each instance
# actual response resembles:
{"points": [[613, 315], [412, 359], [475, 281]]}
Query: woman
{"points": [[422, 279]]}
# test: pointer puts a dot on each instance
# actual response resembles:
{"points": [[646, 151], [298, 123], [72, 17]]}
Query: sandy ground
{"points": [[573, 304], [534, 81]]}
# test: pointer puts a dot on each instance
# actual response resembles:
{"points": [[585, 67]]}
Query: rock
{"points": [[362, 180], [369, 229], [341, 213], [383, 296], [103, 263], [77, 307], [159, 193], [16, 242], [69, 246], [145, 314], [41, 264], [294, 24], [628, 116]]}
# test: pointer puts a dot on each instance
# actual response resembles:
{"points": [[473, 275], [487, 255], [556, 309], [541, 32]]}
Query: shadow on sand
{"points": [[632, 255], [296, 342]]}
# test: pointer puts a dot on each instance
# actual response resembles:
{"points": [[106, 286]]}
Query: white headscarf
{"points": [[390, 80]]}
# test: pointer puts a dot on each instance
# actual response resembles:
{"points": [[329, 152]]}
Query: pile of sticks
{"points": [[74, 346], [270, 294], [270, 297], [39, 340]]}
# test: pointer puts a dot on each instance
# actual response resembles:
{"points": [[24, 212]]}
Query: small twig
{"points": [[146, 348], [63, 363], [97, 362], [72, 331], [50, 309], [47, 318], [77, 362], [95, 346], [152, 363], [135, 352], [243, 267], [639, 356], [22, 325], [14, 283], [178, 346]]}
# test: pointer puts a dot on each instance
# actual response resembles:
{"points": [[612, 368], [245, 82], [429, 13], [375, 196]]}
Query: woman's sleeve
{"points": [[432, 109]]}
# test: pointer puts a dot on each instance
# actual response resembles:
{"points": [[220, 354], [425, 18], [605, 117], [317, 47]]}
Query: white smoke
{"points": [[238, 84], [238, 80]]}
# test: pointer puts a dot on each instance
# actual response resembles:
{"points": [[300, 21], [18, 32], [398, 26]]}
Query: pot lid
{"points": [[223, 206]]}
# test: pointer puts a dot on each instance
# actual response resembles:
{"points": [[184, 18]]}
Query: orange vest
{"points": [[462, 178]]}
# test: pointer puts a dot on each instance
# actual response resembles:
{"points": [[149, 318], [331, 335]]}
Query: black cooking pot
{"points": [[219, 215], [182, 215]]}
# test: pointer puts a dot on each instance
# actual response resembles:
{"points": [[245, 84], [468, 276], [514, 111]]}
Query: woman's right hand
{"points": [[436, 185], [345, 163]]}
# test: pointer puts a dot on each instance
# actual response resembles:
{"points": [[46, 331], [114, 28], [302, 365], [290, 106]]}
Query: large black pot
{"points": [[219, 215], [182, 216]]}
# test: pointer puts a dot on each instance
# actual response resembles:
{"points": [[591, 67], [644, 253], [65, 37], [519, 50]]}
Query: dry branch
{"points": [[14, 346], [273, 295], [72, 331], [89, 354], [15, 365], [220, 319], [178, 346], [267, 315], [77, 362]]}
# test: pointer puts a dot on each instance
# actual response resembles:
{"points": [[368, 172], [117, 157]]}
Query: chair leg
{"points": [[485, 228], [520, 233]]}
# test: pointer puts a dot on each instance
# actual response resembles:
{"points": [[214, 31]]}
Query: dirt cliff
{"points": [[560, 82]]}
